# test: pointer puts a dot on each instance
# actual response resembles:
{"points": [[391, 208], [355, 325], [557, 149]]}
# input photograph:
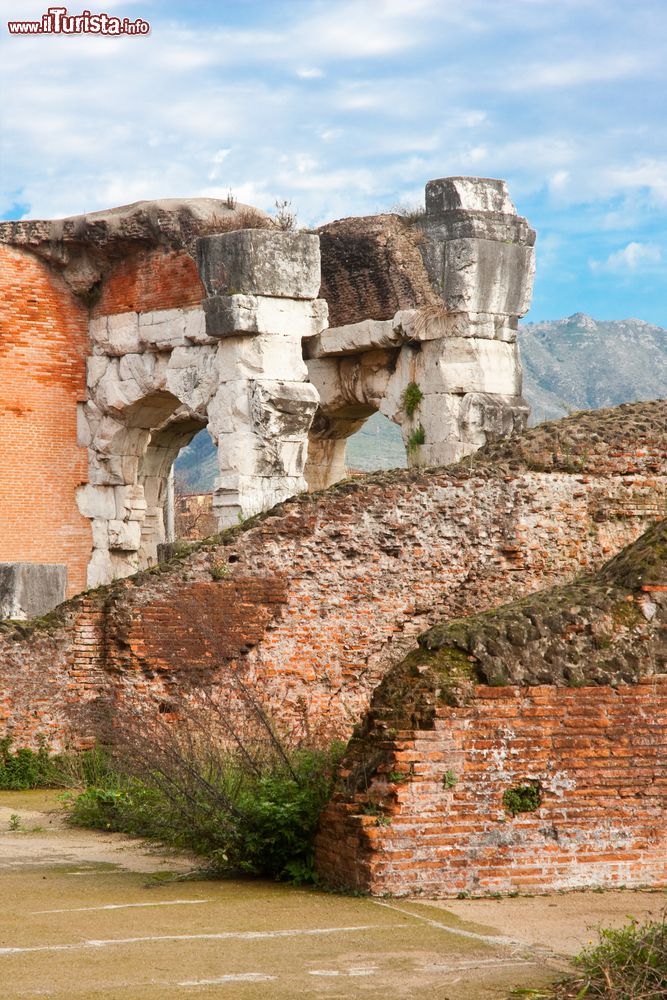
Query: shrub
{"points": [[243, 810], [627, 964]]}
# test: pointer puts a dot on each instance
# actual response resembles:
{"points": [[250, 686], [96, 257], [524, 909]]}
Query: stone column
{"points": [[262, 300], [463, 367]]}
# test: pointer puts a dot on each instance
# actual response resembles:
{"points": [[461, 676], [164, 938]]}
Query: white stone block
{"points": [[487, 276], [162, 330], [124, 535], [263, 355], [461, 365], [232, 315], [370, 334], [96, 501]]}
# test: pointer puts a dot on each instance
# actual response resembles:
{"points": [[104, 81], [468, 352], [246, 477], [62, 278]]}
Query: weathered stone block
{"points": [[29, 590], [486, 276], [475, 194], [461, 365], [124, 535], [371, 334], [231, 315], [263, 355], [260, 262], [117, 334]]}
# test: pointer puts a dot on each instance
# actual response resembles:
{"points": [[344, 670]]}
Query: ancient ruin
{"points": [[280, 356], [494, 747]]}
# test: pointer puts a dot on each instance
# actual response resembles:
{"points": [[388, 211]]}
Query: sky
{"points": [[348, 107]]}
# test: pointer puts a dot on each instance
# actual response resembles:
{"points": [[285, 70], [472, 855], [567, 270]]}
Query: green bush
{"points": [[257, 817], [627, 964], [24, 769]]}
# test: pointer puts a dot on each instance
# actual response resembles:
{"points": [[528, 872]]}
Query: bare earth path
{"points": [[84, 916]]}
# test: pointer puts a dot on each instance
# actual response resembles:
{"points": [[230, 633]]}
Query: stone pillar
{"points": [[464, 364], [262, 300]]}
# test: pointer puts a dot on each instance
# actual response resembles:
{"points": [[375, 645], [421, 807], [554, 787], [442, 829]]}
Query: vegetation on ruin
{"points": [[629, 963], [417, 438], [412, 397], [523, 798]]}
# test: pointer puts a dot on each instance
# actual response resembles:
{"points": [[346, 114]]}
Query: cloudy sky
{"points": [[348, 107]]}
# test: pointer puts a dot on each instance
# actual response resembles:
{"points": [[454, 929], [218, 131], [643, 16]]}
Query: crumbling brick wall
{"points": [[352, 575]]}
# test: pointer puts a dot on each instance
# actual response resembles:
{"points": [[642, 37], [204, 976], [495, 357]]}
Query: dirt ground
{"points": [[93, 915]]}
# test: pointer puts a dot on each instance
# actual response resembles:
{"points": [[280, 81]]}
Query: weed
{"points": [[14, 822], [523, 798], [417, 438], [285, 217], [219, 571], [449, 779], [412, 397], [231, 201], [629, 963]]}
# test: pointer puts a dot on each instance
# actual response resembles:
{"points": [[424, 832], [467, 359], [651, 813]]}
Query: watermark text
{"points": [[57, 21]]}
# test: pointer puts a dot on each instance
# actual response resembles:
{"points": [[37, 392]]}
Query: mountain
{"points": [[577, 363], [580, 363]]}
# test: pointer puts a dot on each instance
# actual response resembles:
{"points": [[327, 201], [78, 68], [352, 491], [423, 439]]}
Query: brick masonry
{"points": [[600, 755], [336, 586], [43, 346]]}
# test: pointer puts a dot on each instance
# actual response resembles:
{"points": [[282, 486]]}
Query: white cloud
{"points": [[634, 257]]}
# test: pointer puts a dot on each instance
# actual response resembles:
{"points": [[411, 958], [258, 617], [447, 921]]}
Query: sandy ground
{"points": [[89, 915]]}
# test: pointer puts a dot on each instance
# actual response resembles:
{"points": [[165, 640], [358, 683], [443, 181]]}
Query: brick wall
{"points": [[600, 755], [342, 583], [149, 281], [43, 345]]}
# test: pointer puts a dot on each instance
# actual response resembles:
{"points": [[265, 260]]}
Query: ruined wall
{"points": [[600, 755], [43, 347], [313, 603], [519, 749]]}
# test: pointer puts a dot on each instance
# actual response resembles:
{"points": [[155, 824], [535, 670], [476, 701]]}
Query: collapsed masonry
{"points": [[424, 322]]}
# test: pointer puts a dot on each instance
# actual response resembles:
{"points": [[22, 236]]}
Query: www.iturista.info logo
{"points": [[57, 21]]}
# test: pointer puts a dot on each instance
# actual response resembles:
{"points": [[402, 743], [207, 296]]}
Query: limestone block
{"points": [[111, 470], [251, 454], [124, 535], [96, 501], [29, 590], [84, 430], [96, 366], [162, 330], [130, 503], [195, 326], [485, 416], [231, 315], [460, 365], [100, 569], [486, 276], [193, 375], [473, 194], [436, 323], [260, 262], [251, 495], [263, 355], [368, 335], [282, 409], [324, 373], [100, 533], [142, 369], [229, 408], [116, 335]]}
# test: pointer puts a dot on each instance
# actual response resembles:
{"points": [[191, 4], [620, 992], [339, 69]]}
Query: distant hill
{"points": [[577, 363], [580, 363]]}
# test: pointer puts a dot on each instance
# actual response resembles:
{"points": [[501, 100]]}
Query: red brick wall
{"points": [[312, 604], [149, 281], [43, 345], [600, 754]]}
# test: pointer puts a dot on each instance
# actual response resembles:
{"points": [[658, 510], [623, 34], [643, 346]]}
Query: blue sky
{"points": [[348, 107]]}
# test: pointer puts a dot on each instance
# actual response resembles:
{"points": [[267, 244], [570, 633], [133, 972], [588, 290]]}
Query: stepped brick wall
{"points": [[311, 604], [43, 346], [600, 754]]}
